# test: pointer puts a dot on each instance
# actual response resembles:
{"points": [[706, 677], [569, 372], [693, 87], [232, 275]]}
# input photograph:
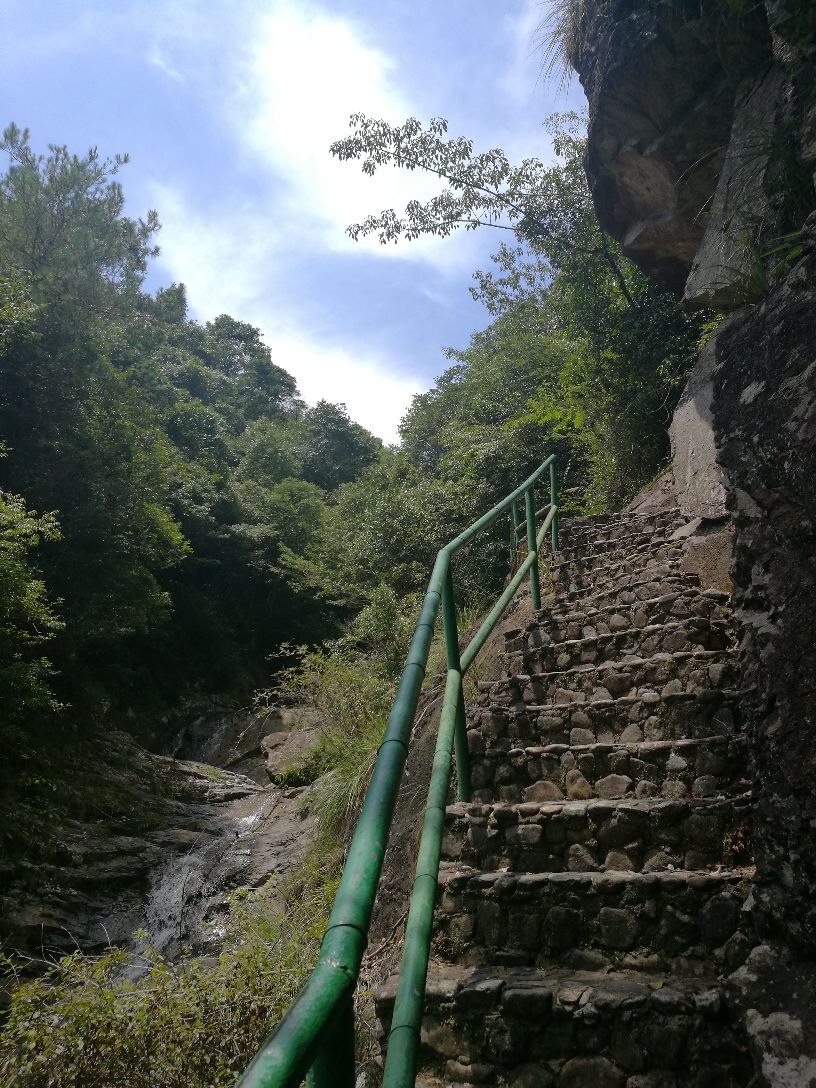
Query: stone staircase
{"points": [[591, 895]]}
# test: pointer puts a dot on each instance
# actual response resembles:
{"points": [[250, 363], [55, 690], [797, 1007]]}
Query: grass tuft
{"points": [[559, 35]]}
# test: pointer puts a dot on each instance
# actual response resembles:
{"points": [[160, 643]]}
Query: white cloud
{"points": [[287, 79], [307, 72], [529, 85], [373, 392], [156, 57], [226, 262], [288, 90], [522, 75], [226, 267]]}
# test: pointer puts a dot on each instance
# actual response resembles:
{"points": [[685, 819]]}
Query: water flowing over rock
{"points": [[187, 835]]}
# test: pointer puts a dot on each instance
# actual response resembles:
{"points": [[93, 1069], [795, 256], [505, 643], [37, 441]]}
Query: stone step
{"points": [[641, 641], [557, 1028], [586, 836], [580, 531], [689, 767], [592, 919], [573, 578], [570, 625], [510, 723], [586, 547], [601, 550], [641, 585], [603, 553], [681, 672]]}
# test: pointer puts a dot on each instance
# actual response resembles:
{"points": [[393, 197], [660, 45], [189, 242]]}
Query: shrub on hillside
{"points": [[195, 1024]]}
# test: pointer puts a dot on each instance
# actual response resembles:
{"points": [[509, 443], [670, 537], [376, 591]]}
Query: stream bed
{"points": [[185, 835]]}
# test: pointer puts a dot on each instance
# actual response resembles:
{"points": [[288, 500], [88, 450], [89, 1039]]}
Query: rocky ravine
{"points": [[179, 836]]}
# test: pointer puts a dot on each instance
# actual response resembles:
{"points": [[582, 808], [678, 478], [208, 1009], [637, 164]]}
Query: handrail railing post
{"points": [[463, 790], [452, 654], [554, 502], [535, 585], [334, 1066], [404, 1034]]}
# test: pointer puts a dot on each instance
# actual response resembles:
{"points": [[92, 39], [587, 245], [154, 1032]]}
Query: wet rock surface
{"points": [[702, 487], [184, 835]]}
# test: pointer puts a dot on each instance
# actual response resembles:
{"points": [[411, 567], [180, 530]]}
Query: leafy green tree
{"points": [[17, 311], [259, 388], [296, 509], [385, 528], [269, 452], [80, 442], [383, 629], [27, 618], [335, 450], [188, 476], [482, 190], [629, 346], [62, 222]]}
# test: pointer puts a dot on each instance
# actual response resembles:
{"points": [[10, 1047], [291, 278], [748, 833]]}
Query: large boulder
{"points": [[700, 480], [287, 753], [726, 270]]}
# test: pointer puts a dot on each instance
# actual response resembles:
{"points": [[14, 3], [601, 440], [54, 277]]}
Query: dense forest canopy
{"points": [[164, 486]]}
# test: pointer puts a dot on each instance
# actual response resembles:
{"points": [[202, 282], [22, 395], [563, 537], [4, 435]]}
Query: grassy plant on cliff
{"points": [[349, 684], [560, 34], [197, 1023]]}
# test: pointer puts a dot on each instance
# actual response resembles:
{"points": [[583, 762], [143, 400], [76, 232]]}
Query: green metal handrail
{"points": [[316, 1036]]}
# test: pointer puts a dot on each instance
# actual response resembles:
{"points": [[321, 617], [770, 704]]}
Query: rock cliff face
{"points": [[661, 79], [765, 409], [701, 158]]}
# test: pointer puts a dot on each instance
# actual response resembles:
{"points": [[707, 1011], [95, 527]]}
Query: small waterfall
{"points": [[189, 891]]}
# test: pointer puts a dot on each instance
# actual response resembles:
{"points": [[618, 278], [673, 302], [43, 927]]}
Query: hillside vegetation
{"points": [[171, 509], [173, 516]]}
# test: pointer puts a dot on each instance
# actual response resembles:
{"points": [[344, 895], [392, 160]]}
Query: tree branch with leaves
{"points": [[483, 189]]}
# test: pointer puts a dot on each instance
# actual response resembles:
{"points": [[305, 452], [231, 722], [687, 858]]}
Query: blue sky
{"points": [[227, 110]]}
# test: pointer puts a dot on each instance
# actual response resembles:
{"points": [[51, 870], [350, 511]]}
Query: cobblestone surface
{"points": [[594, 890]]}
